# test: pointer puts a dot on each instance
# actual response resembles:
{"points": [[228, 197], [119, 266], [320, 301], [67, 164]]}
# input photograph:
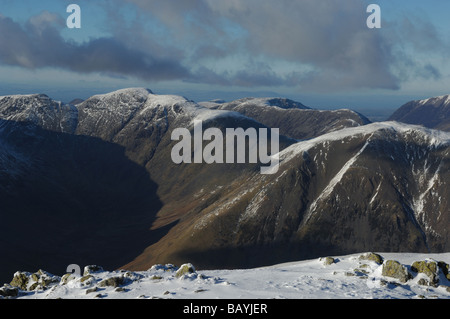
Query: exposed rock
{"points": [[87, 280], [429, 268], [131, 276], [372, 256], [31, 281], [392, 268], [35, 286], [92, 269], [444, 268], [327, 260], [349, 274], [200, 290], [90, 290], [115, 281], [166, 267], [423, 282], [185, 269], [361, 270], [20, 280], [9, 291], [66, 278], [44, 279]]}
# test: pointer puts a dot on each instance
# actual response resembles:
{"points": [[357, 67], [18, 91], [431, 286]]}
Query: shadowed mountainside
{"points": [[70, 199]]}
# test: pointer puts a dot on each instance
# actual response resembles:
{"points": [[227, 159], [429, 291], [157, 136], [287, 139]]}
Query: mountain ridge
{"points": [[371, 186], [432, 112], [264, 224], [297, 121]]}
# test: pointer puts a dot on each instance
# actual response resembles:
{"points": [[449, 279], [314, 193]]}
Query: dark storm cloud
{"points": [[311, 44], [329, 36], [39, 44], [415, 42], [264, 76]]}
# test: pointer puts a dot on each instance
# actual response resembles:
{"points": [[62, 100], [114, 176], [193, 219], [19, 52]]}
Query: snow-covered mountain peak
{"points": [[21, 102], [437, 101], [435, 136], [179, 106], [271, 102], [430, 136], [24, 96], [433, 112], [157, 100], [119, 105], [40, 110], [135, 93]]}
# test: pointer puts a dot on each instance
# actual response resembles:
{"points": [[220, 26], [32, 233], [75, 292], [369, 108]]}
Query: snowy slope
{"points": [[433, 112], [119, 112], [434, 138], [294, 119], [39, 110], [347, 277]]}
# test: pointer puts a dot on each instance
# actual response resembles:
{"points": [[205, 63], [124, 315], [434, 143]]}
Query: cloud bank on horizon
{"points": [[304, 45]]}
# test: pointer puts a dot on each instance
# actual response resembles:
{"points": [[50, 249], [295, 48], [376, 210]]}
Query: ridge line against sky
{"points": [[320, 53]]}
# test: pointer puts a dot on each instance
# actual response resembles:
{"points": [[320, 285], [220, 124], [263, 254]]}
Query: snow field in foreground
{"points": [[346, 277]]}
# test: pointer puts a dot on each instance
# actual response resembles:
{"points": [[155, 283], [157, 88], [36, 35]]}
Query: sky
{"points": [[318, 52]]}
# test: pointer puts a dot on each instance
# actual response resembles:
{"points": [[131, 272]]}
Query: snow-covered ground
{"points": [[347, 277]]}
